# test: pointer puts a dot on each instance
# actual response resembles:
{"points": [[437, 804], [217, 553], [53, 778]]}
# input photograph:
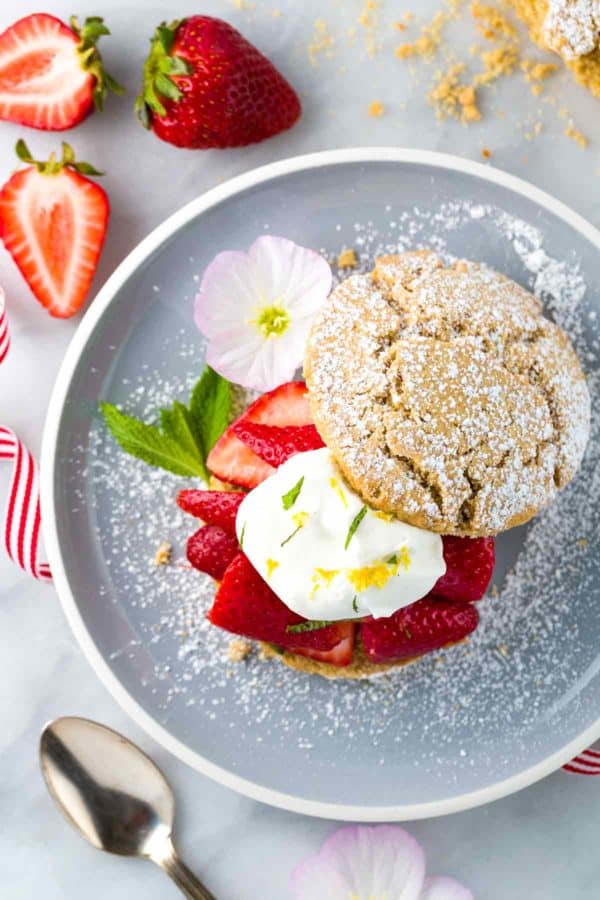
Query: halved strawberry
{"points": [[213, 507], [53, 221], [51, 76], [246, 605], [232, 461], [340, 655], [419, 628], [211, 549], [276, 445], [469, 567]]}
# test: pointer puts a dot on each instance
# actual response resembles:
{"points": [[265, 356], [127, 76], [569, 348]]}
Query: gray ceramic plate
{"points": [[454, 730]]}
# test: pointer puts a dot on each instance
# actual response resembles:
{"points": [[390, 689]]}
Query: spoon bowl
{"points": [[114, 795]]}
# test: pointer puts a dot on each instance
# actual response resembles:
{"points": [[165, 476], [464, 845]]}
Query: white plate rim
{"points": [[339, 811]]}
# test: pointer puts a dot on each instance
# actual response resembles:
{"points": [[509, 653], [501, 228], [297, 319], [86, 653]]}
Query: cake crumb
{"points": [[347, 259], [491, 23], [163, 554], [430, 38], [576, 135], [502, 649], [238, 649], [582, 542], [487, 154], [451, 97], [322, 42], [376, 109]]}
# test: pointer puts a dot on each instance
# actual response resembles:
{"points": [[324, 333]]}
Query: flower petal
{"points": [[363, 862], [226, 293], [295, 277], [445, 889], [234, 289]]}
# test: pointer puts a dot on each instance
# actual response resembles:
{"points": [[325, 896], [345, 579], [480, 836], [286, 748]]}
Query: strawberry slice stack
{"points": [[273, 429]]}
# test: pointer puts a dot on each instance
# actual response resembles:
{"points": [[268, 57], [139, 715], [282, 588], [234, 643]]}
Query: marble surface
{"points": [[540, 843]]}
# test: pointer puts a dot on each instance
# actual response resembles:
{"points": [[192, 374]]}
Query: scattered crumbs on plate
{"points": [[238, 649], [347, 259], [162, 557]]}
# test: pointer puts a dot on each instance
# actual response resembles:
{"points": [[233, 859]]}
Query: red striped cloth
{"points": [[587, 763], [22, 521], [4, 332]]}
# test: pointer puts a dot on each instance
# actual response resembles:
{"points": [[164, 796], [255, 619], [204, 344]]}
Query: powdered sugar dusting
{"points": [[528, 653]]}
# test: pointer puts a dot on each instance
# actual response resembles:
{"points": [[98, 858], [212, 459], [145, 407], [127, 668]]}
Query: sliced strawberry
{"points": [[469, 568], [213, 507], [340, 655], [419, 628], [276, 445], [53, 221], [51, 76], [232, 461], [246, 605], [211, 550]]}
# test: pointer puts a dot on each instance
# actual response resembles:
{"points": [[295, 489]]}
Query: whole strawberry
{"points": [[206, 86], [51, 74]]}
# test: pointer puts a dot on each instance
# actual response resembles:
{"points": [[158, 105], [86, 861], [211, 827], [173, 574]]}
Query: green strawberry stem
{"points": [[89, 34], [53, 166], [160, 66]]}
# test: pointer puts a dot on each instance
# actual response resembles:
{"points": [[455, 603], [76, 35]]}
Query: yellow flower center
{"points": [[272, 321]]}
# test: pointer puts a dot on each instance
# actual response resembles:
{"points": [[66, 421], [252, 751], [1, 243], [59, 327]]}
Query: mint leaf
{"points": [[354, 525], [210, 409], [310, 625], [177, 424], [290, 498], [148, 443]]}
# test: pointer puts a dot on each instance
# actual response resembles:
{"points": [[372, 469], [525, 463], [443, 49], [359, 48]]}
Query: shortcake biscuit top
{"points": [[445, 396]]}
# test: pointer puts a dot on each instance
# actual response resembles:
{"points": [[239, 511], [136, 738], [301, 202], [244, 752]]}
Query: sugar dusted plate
{"points": [[458, 728]]}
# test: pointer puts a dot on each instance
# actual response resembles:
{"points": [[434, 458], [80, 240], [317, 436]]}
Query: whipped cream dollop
{"points": [[326, 554]]}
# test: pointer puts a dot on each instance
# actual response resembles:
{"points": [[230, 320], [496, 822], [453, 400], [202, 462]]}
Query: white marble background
{"points": [[541, 843]]}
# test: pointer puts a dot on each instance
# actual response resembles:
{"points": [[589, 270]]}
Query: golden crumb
{"points": [[376, 109], [430, 38], [537, 71], [322, 42], [347, 259], [502, 60], [491, 23], [582, 542], [453, 98], [163, 554], [369, 20], [576, 135], [238, 650], [536, 89], [487, 154], [401, 26]]}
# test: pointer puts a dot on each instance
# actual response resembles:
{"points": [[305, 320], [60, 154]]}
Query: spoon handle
{"points": [[184, 878]]}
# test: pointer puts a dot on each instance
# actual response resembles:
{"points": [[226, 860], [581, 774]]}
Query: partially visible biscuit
{"points": [[360, 667], [445, 396]]}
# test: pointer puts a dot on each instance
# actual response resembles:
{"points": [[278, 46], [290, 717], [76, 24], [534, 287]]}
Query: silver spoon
{"points": [[115, 796]]}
